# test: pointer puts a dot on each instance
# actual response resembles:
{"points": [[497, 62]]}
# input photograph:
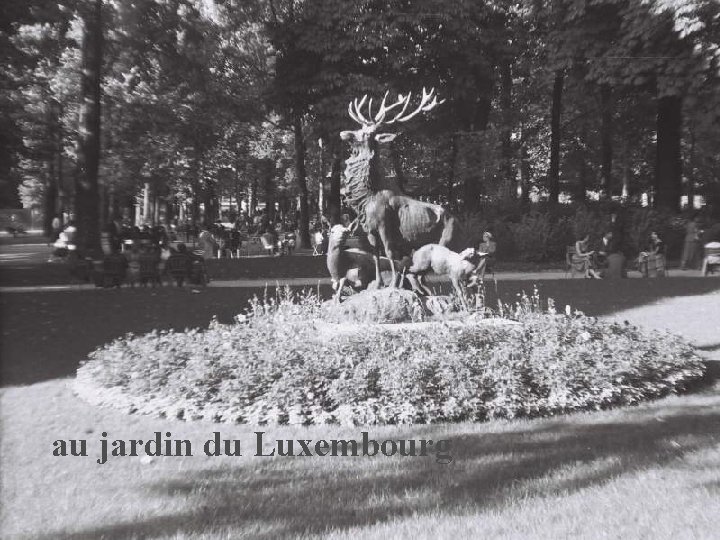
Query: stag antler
{"points": [[354, 110], [428, 102]]}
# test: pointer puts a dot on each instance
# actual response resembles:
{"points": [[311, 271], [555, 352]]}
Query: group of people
{"points": [[608, 259], [147, 263]]}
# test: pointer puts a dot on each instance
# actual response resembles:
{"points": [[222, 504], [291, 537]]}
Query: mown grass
{"points": [[651, 471]]}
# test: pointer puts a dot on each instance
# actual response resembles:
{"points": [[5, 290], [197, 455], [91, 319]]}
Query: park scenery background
{"points": [[182, 111], [583, 408]]}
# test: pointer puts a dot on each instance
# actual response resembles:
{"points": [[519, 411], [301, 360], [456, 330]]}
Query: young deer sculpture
{"points": [[461, 268], [351, 266], [393, 221]]}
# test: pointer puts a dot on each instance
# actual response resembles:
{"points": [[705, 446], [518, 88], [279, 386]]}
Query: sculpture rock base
{"points": [[389, 305]]}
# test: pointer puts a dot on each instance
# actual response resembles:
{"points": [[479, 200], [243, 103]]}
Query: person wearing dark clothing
{"points": [[235, 242]]}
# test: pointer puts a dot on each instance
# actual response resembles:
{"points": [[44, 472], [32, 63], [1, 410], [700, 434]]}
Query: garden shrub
{"points": [[275, 366]]}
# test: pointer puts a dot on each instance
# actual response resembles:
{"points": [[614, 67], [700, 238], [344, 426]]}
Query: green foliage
{"points": [[205, 93], [276, 365]]}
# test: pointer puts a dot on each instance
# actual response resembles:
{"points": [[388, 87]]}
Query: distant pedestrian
{"points": [[691, 247], [207, 243]]}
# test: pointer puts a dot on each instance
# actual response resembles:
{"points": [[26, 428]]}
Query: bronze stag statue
{"points": [[393, 221]]}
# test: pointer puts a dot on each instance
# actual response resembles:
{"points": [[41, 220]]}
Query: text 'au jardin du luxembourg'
{"points": [[258, 445]]}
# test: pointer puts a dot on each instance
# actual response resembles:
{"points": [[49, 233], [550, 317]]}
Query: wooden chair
{"points": [[317, 242], [654, 265], [149, 270], [575, 263], [268, 243], [489, 267], [178, 268], [198, 270], [711, 258], [114, 270]]}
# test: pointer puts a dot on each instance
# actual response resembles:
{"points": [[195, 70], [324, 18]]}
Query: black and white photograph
{"points": [[359, 269]]}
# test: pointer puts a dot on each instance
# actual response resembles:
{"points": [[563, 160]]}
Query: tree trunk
{"points": [[146, 203], [397, 167], [87, 210], [581, 190], [691, 172], [59, 209], [301, 177], [270, 172], [554, 173], [252, 196], [524, 177], [334, 201], [238, 196], [453, 166], [50, 197], [506, 172], [606, 106], [473, 183], [668, 170], [211, 205], [582, 179]]}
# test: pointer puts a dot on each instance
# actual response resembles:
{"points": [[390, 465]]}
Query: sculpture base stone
{"points": [[389, 305]]}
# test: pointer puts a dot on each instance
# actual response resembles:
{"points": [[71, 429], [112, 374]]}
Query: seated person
{"points": [[611, 257], [586, 256], [653, 259], [486, 250], [605, 248]]}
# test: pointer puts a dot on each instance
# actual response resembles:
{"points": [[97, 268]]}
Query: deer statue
{"points": [[461, 268], [352, 266], [393, 221]]}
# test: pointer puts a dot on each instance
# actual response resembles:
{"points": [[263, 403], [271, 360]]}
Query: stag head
{"points": [[368, 136]]}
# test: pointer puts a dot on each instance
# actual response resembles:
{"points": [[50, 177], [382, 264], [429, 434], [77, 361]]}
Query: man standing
{"points": [[207, 243]]}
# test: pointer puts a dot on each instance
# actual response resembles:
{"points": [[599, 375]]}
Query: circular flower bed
{"points": [[280, 364]]}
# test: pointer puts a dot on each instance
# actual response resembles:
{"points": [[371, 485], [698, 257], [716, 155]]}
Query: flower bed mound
{"points": [[277, 366]]}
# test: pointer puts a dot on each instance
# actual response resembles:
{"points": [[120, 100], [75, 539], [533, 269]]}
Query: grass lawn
{"points": [[645, 472]]}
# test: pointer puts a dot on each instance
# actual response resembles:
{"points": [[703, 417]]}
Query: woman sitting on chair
{"points": [[486, 250], [653, 258], [582, 252]]}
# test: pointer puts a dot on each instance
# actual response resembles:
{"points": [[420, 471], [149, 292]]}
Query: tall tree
{"points": [[87, 203], [555, 135]]}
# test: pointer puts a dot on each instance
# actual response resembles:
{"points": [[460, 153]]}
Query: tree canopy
{"points": [[207, 107]]}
